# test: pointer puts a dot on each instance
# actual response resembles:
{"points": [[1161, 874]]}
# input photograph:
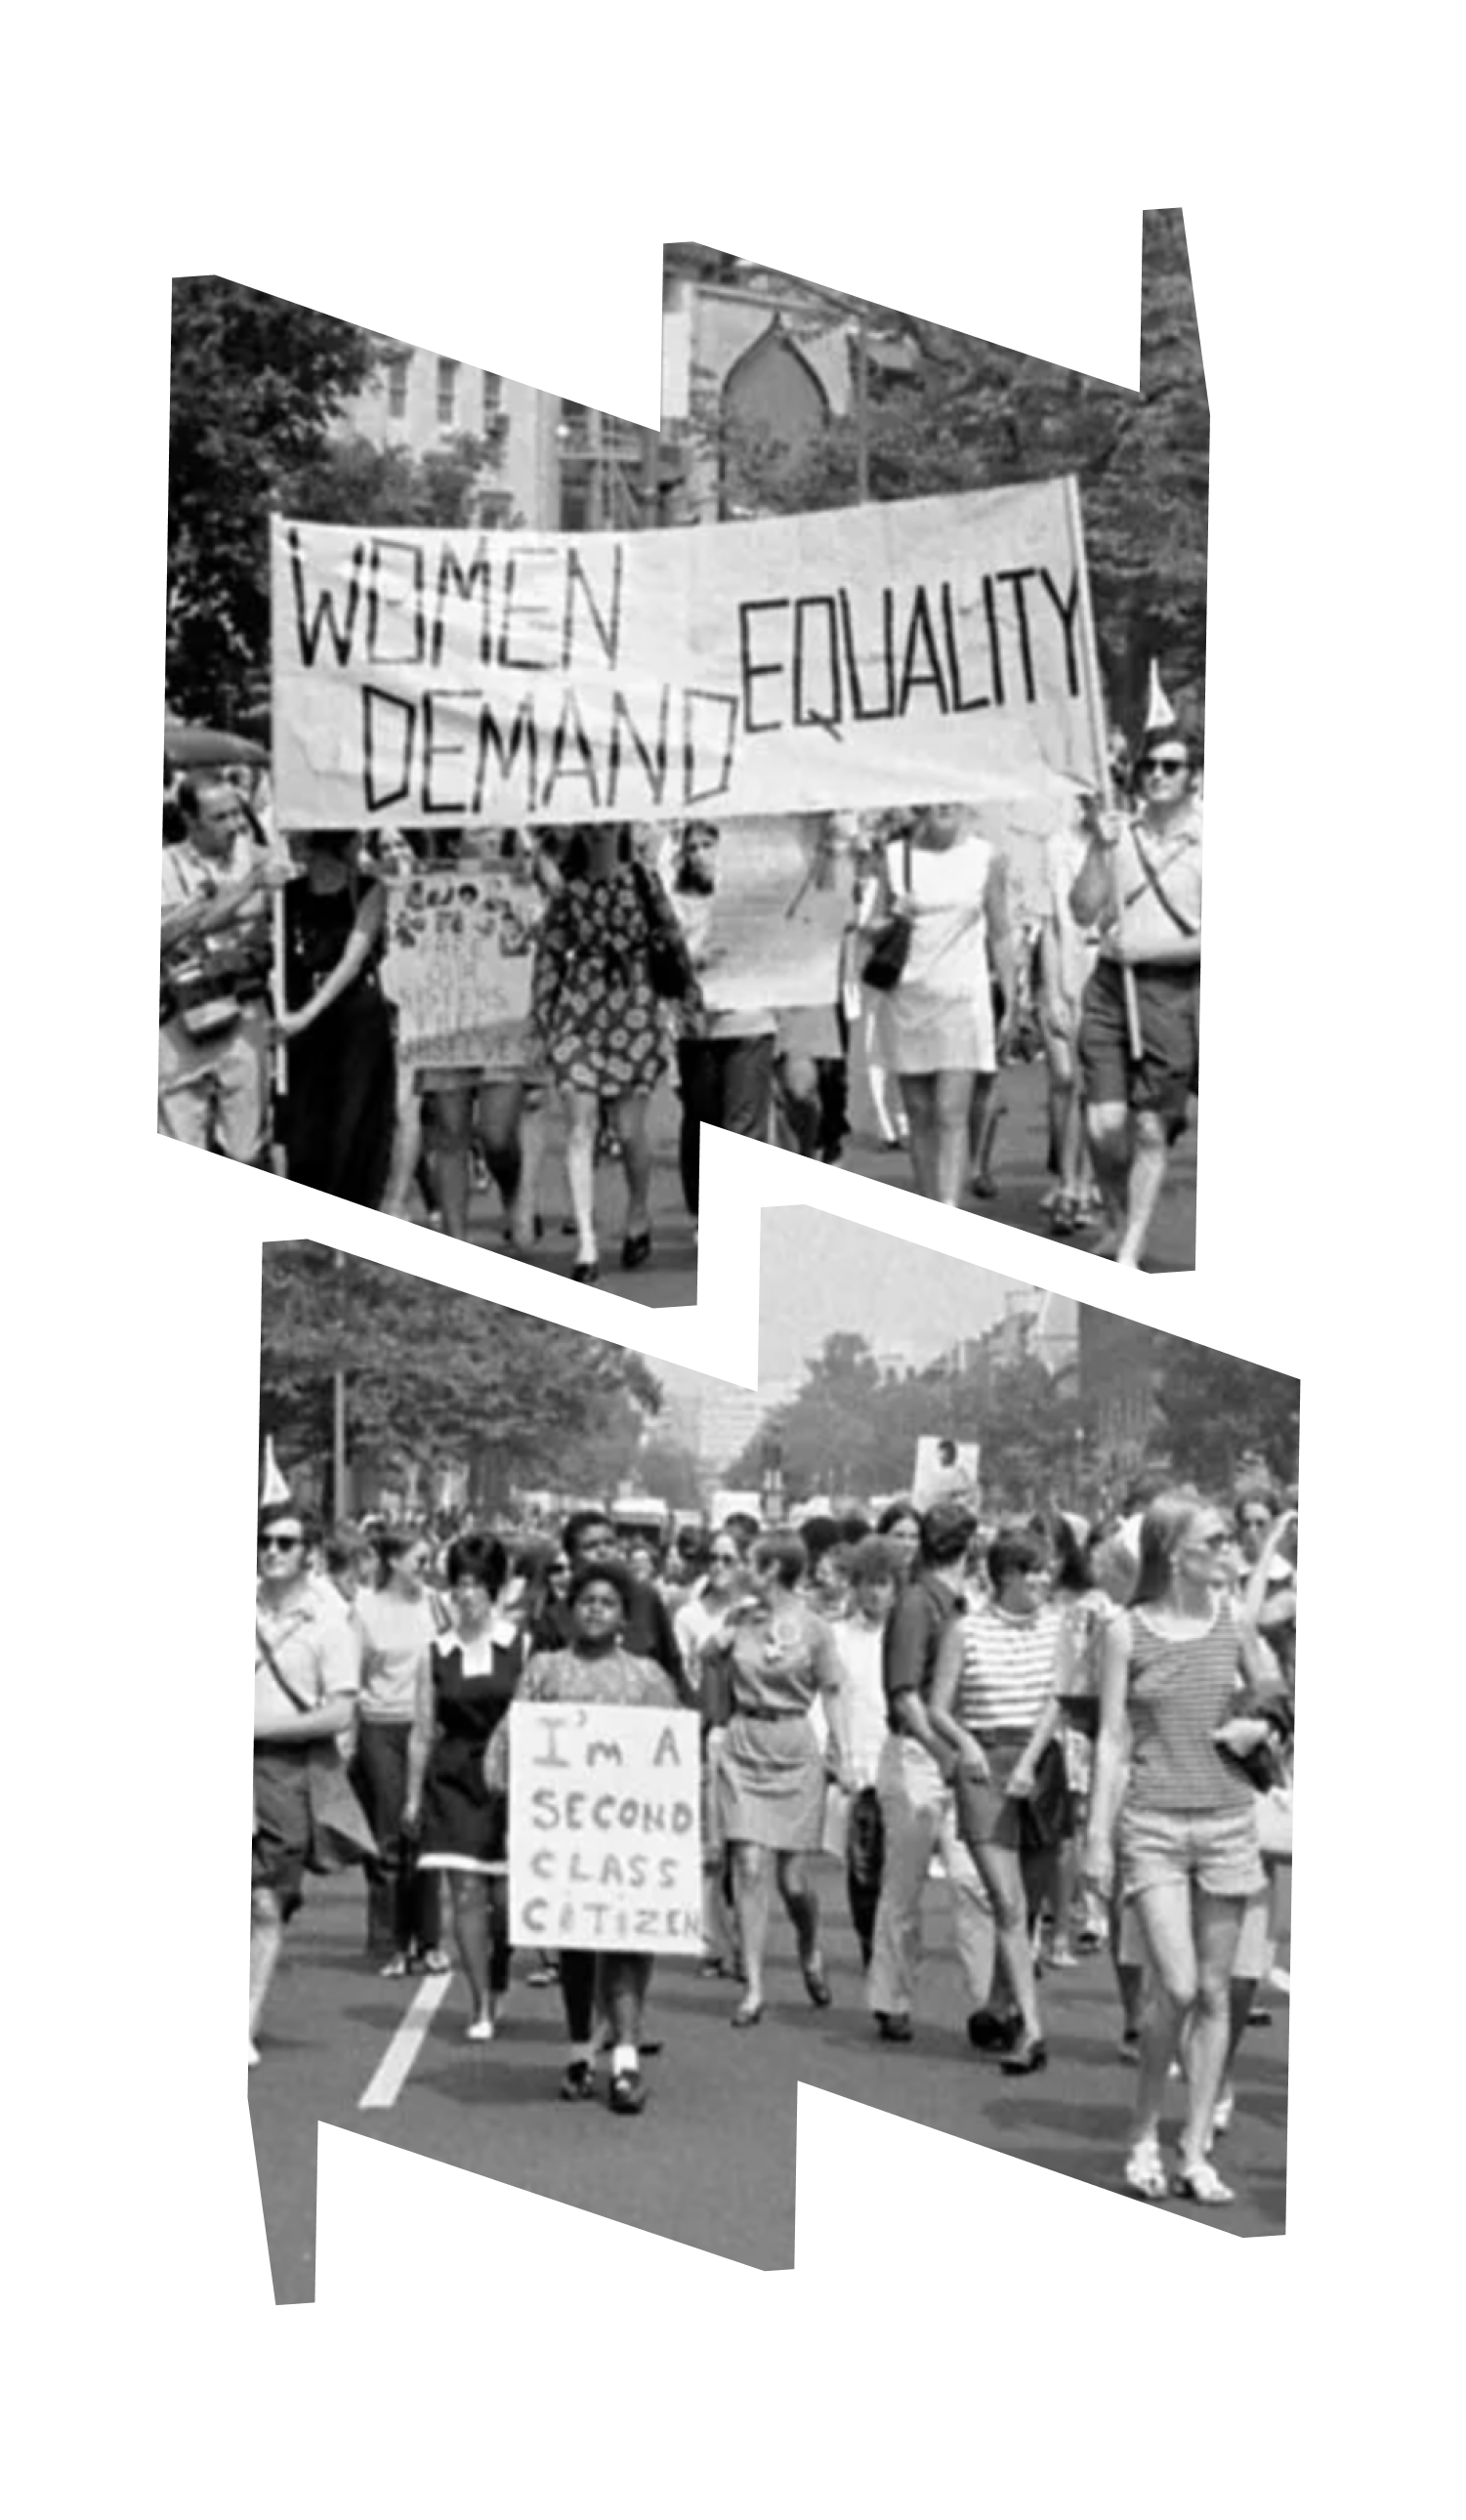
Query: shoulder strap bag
{"points": [[890, 938], [341, 1832]]}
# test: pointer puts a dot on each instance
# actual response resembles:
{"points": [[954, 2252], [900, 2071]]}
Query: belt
{"points": [[770, 1714]]}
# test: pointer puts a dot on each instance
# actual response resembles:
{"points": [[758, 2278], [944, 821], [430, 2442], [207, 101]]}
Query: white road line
{"points": [[402, 2053]]}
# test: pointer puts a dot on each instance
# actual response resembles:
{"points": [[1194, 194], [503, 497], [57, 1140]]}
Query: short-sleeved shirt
{"points": [[1010, 1667], [1145, 928], [780, 1659], [614, 1679], [915, 1632], [316, 1650], [394, 1634]]}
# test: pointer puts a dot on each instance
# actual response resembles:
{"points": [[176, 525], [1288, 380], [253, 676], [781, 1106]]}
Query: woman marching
{"points": [[1188, 1837], [465, 1682], [595, 1668], [994, 1701], [339, 1111], [396, 1620], [606, 1036], [773, 1657]]}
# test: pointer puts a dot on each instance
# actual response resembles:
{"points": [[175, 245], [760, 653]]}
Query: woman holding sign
{"points": [[776, 1656], [595, 1668], [606, 1036]]}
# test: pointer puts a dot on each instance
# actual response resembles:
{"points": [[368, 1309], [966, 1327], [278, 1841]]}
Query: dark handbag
{"points": [[341, 1833], [669, 964], [890, 940], [1047, 1815]]}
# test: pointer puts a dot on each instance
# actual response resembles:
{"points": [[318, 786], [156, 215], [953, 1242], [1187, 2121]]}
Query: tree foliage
{"points": [[948, 413], [258, 387], [440, 1379], [257, 383], [1215, 1409], [852, 1427]]}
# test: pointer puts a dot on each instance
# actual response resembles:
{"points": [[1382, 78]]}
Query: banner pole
{"points": [[1099, 735]]}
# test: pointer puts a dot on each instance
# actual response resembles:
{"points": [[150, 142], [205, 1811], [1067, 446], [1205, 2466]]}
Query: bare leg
{"points": [[952, 1111], [407, 1146], [1147, 1172], [751, 1889], [919, 1095], [1216, 1928], [450, 1163], [636, 1160], [580, 1166], [1108, 1127], [983, 1117], [800, 1903], [498, 1109], [266, 1934], [470, 1924], [533, 1129], [1164, 1914], [1002, 1875]]}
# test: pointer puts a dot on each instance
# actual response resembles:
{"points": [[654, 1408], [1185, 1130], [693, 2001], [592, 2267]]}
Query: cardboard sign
{"points": [[946, 1473], [605, 1828], [880, 655], [459, 962]]}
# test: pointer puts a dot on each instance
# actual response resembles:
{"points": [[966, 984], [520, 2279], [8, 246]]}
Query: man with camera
{"points": [[213, 1053]]}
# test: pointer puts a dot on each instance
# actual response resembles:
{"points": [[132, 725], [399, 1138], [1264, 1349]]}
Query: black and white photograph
{"points": [[631, 1745], [827, 767]]}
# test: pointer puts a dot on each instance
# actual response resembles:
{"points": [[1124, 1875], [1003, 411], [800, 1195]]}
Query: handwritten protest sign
{"points": [[781, 903], [928, 650], [458, 964], [604, 1844], [946, 1473]]}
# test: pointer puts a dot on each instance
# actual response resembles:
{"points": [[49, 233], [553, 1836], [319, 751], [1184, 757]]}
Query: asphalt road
{"points": [[711, 2163], [1020, 1168]]}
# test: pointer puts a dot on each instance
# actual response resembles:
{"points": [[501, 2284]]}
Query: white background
{"points": [[959, 2325]]}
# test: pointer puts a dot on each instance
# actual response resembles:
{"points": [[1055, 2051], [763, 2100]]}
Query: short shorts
{"points": [[1168, 1002], [281, 1841], [987, 1811], [1218, 1851]]}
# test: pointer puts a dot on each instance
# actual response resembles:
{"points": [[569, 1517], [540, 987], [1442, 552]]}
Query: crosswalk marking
{"points": [[402, 2051]]}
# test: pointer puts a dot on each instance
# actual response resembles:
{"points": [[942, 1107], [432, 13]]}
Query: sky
{"points": [[822, 1274]]}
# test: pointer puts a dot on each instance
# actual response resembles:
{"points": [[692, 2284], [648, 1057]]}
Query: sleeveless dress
{"points": [[594, 1010], [464, 1820], [770, 1782], [342, 1071], [939, 1013]]}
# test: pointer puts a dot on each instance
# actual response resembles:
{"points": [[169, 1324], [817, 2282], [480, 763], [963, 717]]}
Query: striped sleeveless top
{"points": [[1008, 1669], [1179, 1691]]}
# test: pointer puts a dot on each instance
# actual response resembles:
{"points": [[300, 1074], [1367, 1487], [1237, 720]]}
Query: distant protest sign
{"points": [[458, 964], [780, 905], [853, 657], [604, 1834]]}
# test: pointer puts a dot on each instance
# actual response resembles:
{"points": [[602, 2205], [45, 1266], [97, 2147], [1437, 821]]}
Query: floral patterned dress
{"points": [[603, 1029]]}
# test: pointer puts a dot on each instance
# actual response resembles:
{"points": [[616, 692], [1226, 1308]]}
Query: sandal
{"points": [[1198, 2182], [1144, 2170]]}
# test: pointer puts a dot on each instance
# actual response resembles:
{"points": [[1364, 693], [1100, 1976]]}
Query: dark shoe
{"points": [[748, 2015], [815, 1983], [628, 2095], [636, 1251], [1030, 2056], [990, 2031], [895, 2028], [579, 2082], [587, 1273], [1129, 2046]]}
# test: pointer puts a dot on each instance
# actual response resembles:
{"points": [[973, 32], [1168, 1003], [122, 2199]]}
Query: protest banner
{"points": [[924, 650], [605, 1828], [946, 1473], [459, 960]]}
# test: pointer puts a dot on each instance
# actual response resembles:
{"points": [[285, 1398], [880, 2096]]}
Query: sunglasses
{"points": [[1166, 763], [276, 1541]]}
